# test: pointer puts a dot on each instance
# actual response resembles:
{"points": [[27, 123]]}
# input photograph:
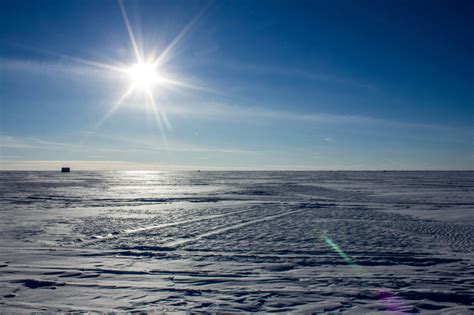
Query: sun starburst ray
{"points": [[95, 64], [169, 49], [158, 116], [136, 51], [168, 81], [146, 73], [117, 67], [116, 106]]}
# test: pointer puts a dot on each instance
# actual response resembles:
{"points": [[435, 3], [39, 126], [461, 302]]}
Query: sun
{"points": [[143, 76], [146, 74]]}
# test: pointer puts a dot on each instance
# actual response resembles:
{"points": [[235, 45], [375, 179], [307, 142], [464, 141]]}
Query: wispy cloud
{"points": [[158, 145], [20, 142], [297, 73], [214, 110], [115, 144], [58, 67], [15, 143]]}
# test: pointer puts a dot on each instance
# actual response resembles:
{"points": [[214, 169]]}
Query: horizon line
{"points": [[239, 170]]}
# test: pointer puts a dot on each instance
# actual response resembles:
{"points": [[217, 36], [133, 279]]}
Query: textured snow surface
{"points": [[355, 242]]}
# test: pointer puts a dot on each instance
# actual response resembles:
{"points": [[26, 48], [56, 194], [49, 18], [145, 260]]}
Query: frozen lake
{"points": [[356, 242]]}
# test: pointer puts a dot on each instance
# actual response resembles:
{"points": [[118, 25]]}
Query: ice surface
{"points": [[355, 242]]}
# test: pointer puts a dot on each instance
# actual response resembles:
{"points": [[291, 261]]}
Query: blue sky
{"points": [[263, 85]]}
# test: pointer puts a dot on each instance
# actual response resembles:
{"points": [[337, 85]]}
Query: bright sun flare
{"points": [[143, 75]]}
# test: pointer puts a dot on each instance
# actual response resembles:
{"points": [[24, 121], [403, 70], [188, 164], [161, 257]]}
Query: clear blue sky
{"points": [[263, 85]]}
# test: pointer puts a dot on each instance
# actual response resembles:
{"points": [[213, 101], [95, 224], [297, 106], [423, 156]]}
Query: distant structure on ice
{"points": [[65, 169]]}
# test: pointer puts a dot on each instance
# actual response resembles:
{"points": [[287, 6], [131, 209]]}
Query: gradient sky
{"points": [[269, 85]]}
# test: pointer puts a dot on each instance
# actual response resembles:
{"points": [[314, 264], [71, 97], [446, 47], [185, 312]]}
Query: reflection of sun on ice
{"points": [[143, 75]]}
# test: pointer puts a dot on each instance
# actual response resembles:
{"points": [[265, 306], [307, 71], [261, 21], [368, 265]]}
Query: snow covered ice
{"points": [[354, 242]]}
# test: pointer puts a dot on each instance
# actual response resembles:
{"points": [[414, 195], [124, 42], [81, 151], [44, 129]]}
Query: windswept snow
{"points": [[354, 242]]}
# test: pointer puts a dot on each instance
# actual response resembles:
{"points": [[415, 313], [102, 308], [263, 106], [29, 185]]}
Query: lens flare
{"points": [[338, 250], [389, 300]]}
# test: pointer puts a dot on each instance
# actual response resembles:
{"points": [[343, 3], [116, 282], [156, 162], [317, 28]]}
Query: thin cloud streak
{"points": [[51, 68], [298, 73], [15, 143], [236, 112], [12, 142], [158, 146]]}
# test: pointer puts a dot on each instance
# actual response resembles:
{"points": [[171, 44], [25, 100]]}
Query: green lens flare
{"points": [[338, 250], [390, 301]]}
